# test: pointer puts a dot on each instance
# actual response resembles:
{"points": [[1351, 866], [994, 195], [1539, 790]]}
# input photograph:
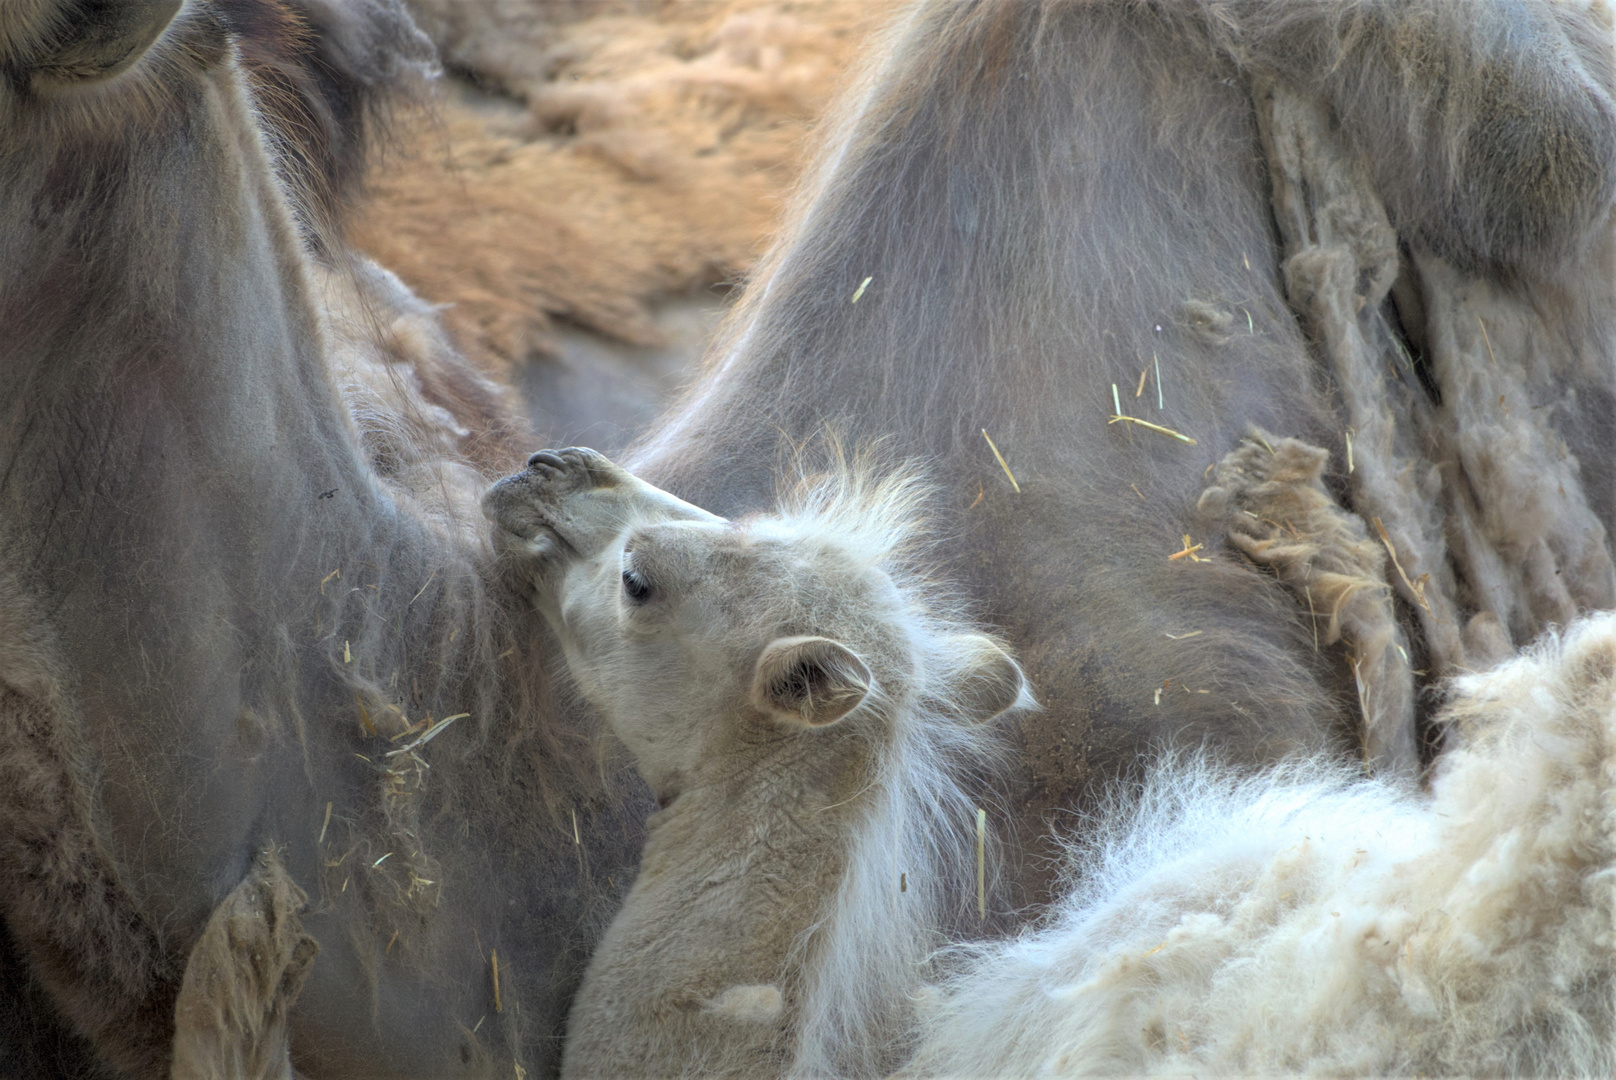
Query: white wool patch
{"points": [[758, 1004], [1314, 921]]}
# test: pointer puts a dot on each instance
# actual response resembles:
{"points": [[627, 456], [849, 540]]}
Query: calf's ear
{"points": [[989, 682], [812, 681]]}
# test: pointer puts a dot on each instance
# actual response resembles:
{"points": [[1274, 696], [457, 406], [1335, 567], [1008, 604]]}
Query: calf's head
{"points": [[702, 639]]}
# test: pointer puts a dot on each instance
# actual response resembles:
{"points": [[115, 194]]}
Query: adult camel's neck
{"points": [[161, 335], [177, 480]]}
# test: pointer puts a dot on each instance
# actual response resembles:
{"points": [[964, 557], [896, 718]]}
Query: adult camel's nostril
{"points": [[546, 457]]}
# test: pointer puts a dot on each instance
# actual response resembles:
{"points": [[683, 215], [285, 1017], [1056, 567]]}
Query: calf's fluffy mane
{"points": [[910, 865]]}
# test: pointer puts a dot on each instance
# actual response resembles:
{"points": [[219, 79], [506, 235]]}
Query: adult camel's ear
{"points": [[812, 681], [988, 682]]}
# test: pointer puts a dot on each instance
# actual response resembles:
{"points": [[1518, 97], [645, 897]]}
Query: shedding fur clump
{"points": [[1311, 921], [1461, 390], [433, 428], [1532, 548], [1341, 262], [1268, 494], [242, 977]]}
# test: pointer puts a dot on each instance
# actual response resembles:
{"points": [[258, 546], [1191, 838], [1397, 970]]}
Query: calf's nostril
{"points": [[546, 457]]}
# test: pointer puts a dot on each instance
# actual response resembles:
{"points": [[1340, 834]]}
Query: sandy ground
{"points": [[596, 178]]}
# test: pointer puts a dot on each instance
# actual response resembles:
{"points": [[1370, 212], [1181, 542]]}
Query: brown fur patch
{"points": [[103, 967]]}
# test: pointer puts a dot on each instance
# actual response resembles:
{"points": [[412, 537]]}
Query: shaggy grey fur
{"points": [[1051, 198]]}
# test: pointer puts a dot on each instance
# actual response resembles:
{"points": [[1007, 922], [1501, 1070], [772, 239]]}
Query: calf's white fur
{"points": [[1310, 921]]}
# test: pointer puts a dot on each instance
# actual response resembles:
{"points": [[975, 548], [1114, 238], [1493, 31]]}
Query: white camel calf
{"points": [[803, 707]]}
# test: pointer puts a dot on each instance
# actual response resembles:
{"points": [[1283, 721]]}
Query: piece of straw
{"points": [[858, 292], [1188, 552], [1312, 616], [1417, 589], [422, 589], [1349, 451], [1143, 372], [1181, 637], [1169, 432], [431, 733], [347, 656], [1116, 401], [1487, 340], [981, 863], [409, 728], [575, 838], [1156, 361], [381, 860], [324, 824], [1363, 706], [493, 956], [1004, 464], [364, 715], [337, 573]]}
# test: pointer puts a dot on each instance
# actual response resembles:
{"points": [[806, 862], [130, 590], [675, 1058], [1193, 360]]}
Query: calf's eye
{"points": [[636, 587]]}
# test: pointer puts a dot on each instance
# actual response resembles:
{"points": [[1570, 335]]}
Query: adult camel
{"points": [[248, 591]]}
